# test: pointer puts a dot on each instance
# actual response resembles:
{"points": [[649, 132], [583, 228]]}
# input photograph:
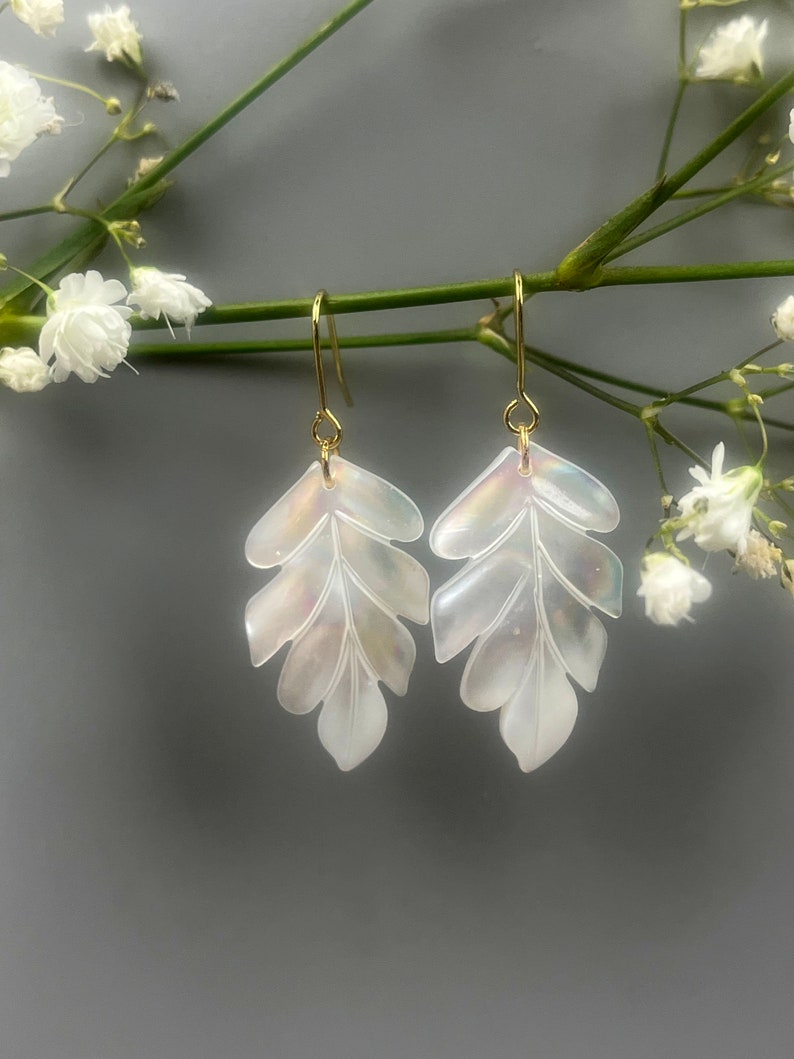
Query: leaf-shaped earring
{"points": [[526, 592], [341, 586]]}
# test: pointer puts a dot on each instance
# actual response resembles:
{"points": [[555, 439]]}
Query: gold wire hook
{"points": [[329, 443], [521, 430]]}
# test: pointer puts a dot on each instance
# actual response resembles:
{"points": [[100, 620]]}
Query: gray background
{"points": [[183, 870]]}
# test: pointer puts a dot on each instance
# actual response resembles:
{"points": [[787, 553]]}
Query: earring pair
{"points": [[524, 596]]}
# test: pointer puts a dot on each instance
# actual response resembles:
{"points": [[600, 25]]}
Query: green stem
{"points": [[699, 211], [695, 193], [192, 143], [369, 301], [773, 391], [300, 345], [501, 345], [29, 211], [683, 81], [87, 236], [629, 276], [683, 175], [713, 380], [75, 180], [668, 136], [104, 100], [657, 463], [673, 439], [476, 290], [411, 338], [119, 133]]}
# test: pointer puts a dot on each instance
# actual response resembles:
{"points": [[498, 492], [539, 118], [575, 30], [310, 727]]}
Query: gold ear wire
{"points": [[324, 414], [521, 430]]}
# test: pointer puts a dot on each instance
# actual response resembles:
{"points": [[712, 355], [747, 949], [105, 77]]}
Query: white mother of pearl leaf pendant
{"points": [[525, 594], [337, 597]]}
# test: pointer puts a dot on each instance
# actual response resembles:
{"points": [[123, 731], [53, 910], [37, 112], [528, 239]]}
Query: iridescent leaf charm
{"points": [[337, 597], [525, 594]]}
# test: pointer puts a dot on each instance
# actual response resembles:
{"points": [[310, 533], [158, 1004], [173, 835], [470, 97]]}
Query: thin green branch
{"points": [[88, 236], [691, 168], [670, 225], [107, 102], [629, 276], [500, 344], [713, 380], [668, 136], [369, 301], [300, 345], [192, 143], [773, 391], [657, 462], [683, 81], [28, 211], [696, 193], [476, 290]]}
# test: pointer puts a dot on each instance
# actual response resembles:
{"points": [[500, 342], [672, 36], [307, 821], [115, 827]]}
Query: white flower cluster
{"points": [[114, 31], [717, 513], [733, 52], [87, 333], [783, 317], [43, 16], [116, 35], [25, 114]]}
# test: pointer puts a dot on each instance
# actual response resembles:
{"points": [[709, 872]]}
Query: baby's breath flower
{"points": [[86, 333], [156, 292], [757, 556], [670, 587], [791, 125], [116, 35], [783, 319], [733, 52], [43, 16], [717, 512], [24, 114], [145, 166], [23, 370]]}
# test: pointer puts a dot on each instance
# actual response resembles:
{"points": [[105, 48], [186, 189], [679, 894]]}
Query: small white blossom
{"points": [[717, 513], [783, 319], [757, 556], [115, 34], [791, 125], [24, 114], [733, 51], [145, 166], [23, 370], [86, 333], [157, 292], [43, 16], [670, 587]]}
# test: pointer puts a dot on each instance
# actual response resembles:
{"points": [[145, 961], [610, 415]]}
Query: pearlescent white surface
{"points": [[337, 599], [525, 595]]}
